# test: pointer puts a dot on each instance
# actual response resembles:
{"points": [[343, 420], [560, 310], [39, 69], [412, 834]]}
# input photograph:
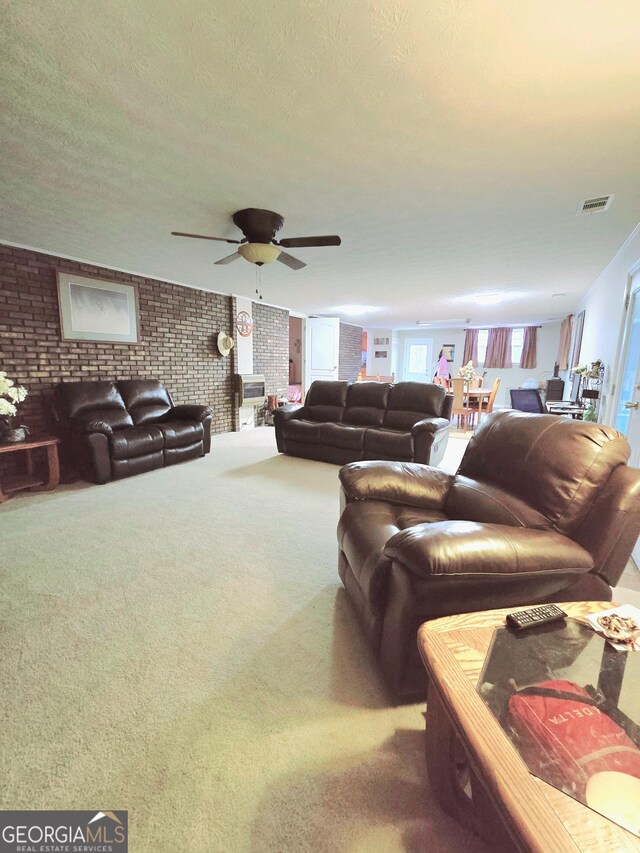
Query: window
{"points": [[418, 359], [517, 341]]}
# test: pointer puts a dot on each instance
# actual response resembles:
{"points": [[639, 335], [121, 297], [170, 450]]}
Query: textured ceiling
{"points": [[447, 143]]}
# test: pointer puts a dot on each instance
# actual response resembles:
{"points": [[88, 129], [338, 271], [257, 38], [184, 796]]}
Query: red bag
{"points": [[565, 740]]}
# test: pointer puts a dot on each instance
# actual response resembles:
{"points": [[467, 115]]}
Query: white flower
{"points": [[6, 408], [17, 394], [467, 372], [14, 393]]}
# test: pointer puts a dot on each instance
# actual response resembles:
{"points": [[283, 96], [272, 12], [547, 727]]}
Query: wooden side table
{"points": [[11, 484], [476, 772]]}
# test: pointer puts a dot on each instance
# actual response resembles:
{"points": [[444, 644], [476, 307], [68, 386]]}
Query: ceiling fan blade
{"points": [[301, 242], [204, 237], [229, 258], [290, 261]]}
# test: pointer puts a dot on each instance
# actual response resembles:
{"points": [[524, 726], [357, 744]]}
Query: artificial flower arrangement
{"points": [[594, 371], [592, 376], [467, 372], [10, 395]]}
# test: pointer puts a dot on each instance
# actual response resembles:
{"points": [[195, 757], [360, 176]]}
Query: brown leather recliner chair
{"points": [[541, 509], [112, 430]]}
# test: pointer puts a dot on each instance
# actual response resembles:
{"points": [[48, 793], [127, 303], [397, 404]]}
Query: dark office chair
{"points": [[527, 400]]}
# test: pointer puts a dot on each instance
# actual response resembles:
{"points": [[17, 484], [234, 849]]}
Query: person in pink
{"points": [[442, 375]]}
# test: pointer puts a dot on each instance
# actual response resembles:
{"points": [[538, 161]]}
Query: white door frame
{"points": [[632, 292]]}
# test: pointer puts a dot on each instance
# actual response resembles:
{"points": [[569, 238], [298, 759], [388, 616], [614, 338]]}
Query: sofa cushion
{"points": [[135, 441], [326, 400], [180, 433], [304, 431], [115, 418], [366, 403], [146, 399], [410, 402], [99, 401], [388, 444], [342, 435]]}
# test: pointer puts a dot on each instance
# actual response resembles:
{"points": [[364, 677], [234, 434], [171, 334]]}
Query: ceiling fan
{"points": [[259, 245]]}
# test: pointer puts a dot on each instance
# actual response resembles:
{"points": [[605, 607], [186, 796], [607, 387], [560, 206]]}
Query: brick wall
{"points": [[271, 349], [350, 352], [178, 328]]}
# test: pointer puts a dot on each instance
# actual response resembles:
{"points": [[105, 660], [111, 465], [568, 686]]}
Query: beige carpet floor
{"points": [[178, 644]]}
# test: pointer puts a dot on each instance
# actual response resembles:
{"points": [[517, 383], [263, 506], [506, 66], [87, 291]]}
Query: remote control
{"points": [[535, 616]]}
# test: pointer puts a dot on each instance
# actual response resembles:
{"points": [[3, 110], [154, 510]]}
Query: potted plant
{"points": [[592, 376], [10, 396]]}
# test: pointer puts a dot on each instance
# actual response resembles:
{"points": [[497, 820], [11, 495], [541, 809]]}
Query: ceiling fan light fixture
{"points": [[259, 253]]}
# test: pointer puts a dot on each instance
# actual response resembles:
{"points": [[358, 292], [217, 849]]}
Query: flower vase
{"points": [[10, 434]]}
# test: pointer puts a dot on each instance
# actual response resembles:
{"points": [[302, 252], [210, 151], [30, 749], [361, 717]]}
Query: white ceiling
{"points": [[447, 143]]}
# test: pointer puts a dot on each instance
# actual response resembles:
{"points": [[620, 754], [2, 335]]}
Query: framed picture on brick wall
{"points": [[92, 309]]}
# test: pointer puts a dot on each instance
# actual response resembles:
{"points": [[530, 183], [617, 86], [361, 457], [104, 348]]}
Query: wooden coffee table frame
{"points": [[476, 772], [9, 485]]}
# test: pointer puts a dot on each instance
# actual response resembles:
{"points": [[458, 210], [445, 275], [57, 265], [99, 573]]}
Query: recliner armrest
{"points": [[190, 412], [405, 483], [90, 425], [290, 412], [430, 425], [461, 548]]}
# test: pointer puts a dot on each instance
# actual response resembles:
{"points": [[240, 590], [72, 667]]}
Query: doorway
{"points": [[295, 391]]}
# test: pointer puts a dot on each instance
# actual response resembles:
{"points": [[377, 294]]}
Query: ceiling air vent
{"points": [[594, 205]]}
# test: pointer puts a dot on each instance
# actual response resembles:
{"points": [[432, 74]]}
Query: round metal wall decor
{"points": [[244, 324]]}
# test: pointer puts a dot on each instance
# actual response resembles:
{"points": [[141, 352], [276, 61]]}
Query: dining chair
{"points": [[460, 407], [484, 405], [487, 405], [527, 400], [376, 377]]}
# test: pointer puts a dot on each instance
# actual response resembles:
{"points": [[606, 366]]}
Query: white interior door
{"points": [[627, 414], [322, 350], [418, 357]]}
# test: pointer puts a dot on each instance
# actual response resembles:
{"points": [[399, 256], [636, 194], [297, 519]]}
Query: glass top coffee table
{"points": [[475, 755]]}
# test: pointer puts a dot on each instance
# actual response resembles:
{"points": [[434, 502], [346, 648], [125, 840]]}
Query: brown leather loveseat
{"points": [[541, 509], [112, 430], [344, 422]]}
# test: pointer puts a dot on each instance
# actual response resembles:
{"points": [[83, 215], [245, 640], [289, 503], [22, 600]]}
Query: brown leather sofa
{"points": [[112, 430], [344, 422], [541, 509]]}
